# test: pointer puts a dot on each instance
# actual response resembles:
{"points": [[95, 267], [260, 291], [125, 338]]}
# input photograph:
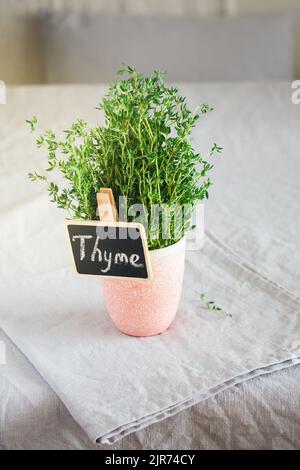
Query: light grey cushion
{"points": [[82, 46], [20, 54]]}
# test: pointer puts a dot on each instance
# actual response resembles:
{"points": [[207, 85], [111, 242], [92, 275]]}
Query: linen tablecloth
{"points": [[48, 312], [261, 413]]}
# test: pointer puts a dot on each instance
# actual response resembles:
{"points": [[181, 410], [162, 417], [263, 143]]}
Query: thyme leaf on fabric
{"points": [[211, 304]]}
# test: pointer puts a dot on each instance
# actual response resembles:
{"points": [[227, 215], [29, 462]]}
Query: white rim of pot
{"points": [[166, 250]]}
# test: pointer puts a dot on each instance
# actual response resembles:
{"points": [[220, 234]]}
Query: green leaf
{"points": [[211, 304], [32, 122]]}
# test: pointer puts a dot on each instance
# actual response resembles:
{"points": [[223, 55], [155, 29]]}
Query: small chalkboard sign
{"points": [[110, 249]]}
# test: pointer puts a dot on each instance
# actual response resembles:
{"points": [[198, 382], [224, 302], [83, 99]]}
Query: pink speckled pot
{"points": [[146, 308]]}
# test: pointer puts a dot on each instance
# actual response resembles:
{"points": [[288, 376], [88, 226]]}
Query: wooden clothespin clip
{"points": [[107, 206]]}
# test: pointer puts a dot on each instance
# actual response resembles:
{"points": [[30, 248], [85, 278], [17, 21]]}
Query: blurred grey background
{"points": [[85, 41]]}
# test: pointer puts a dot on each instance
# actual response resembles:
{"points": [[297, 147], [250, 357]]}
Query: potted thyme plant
{"points": [[144, 153]]}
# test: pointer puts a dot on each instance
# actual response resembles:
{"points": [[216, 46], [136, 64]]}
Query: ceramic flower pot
{"points": [[147, 308]]}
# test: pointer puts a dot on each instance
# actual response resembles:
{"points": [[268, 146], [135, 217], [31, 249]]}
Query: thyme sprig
{"points": [[211, 304], [143, 152]]}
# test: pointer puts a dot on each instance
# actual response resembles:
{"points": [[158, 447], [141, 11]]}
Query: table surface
{"points": [[253, 211]]}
